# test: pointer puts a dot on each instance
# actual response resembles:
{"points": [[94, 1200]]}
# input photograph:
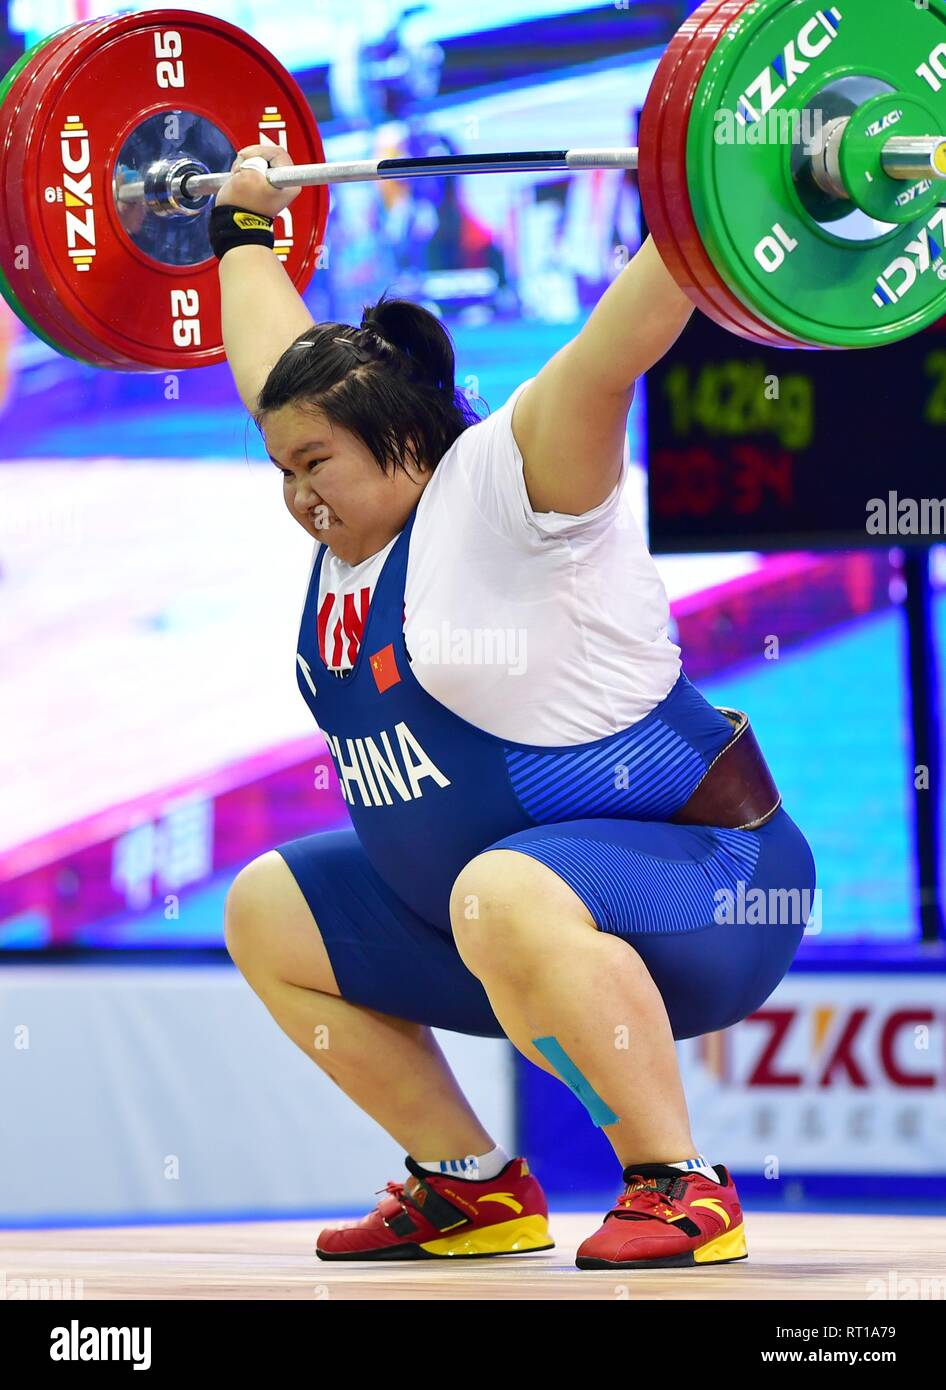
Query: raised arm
{"points": [[261, 310], [570, 421]]}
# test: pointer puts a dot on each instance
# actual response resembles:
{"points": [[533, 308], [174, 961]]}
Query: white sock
{"points": [[697, 1165], [474, 1167]]}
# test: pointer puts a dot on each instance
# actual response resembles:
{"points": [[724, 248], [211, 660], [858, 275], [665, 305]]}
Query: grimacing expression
{"points": [[332, 484]]}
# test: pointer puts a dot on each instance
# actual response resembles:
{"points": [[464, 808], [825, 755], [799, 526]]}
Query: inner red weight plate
{"points": [[45, 303], [708, 287], [699, 274], [702, 277], [142, 312], [672, 100], [653, 160], [41, 296]]}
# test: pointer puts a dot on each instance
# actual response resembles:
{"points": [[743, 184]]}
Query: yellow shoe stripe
{"points": [[715, 1205], [731, 1245], [506, 1198], [502, 1238]]}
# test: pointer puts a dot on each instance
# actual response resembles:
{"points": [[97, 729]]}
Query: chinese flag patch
{"points": [[384, 669]]}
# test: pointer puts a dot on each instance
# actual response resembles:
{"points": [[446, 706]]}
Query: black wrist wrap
{"points": [[231, 227]]}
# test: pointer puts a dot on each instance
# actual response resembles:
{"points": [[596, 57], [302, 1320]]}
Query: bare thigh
{"points": [[270, 930]]}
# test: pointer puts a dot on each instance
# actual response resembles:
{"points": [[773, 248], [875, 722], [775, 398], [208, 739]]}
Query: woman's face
{"points": [[334, 488]]}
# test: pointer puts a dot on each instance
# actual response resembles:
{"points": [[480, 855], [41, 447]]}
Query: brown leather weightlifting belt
{"points": [[737, 790]]}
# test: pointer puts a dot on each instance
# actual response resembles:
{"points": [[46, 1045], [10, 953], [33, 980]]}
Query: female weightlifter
{"points": [[548, 819]]}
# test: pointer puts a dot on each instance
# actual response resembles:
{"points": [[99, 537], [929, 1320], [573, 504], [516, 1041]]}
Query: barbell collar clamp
{"points": [[826, 159], [164, 188]]}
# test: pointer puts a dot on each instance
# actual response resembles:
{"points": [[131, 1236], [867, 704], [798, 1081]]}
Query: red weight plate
{"points": [[707, 285], [47, 305], [140, 310], [652, 157], [652, 164], [668, 148], [727, 309], [106, 343], [649, 162], [42, 309], [44, 303], [710, 292]]}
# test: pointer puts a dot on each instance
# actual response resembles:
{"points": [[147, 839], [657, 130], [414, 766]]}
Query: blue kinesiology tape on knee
{"points": [[553, 1052]]}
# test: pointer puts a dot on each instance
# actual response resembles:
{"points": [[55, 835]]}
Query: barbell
{"points": [[790, 167]]}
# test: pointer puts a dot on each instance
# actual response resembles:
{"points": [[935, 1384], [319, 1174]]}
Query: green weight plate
{"points": [[888, 200], [830, 273]]}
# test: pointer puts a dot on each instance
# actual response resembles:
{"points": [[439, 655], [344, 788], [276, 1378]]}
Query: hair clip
{"points": [[359, 353]]}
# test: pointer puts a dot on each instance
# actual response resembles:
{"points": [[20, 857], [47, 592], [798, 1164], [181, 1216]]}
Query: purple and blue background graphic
{"points": [[151, 584]]}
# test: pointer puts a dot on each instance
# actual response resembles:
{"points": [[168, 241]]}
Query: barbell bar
{"points": [[914, 157], [190, 186], [185, 191]]}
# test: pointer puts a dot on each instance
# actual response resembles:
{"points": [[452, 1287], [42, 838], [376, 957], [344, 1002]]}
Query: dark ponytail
{"points": [[416, 333], [390, 382]]}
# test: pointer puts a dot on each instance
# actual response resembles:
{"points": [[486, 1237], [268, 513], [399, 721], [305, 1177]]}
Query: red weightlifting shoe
{"points": [[667, 1218], [437, 1216]]}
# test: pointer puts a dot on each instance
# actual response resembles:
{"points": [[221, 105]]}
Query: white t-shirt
{"points": [[538, 627]]}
